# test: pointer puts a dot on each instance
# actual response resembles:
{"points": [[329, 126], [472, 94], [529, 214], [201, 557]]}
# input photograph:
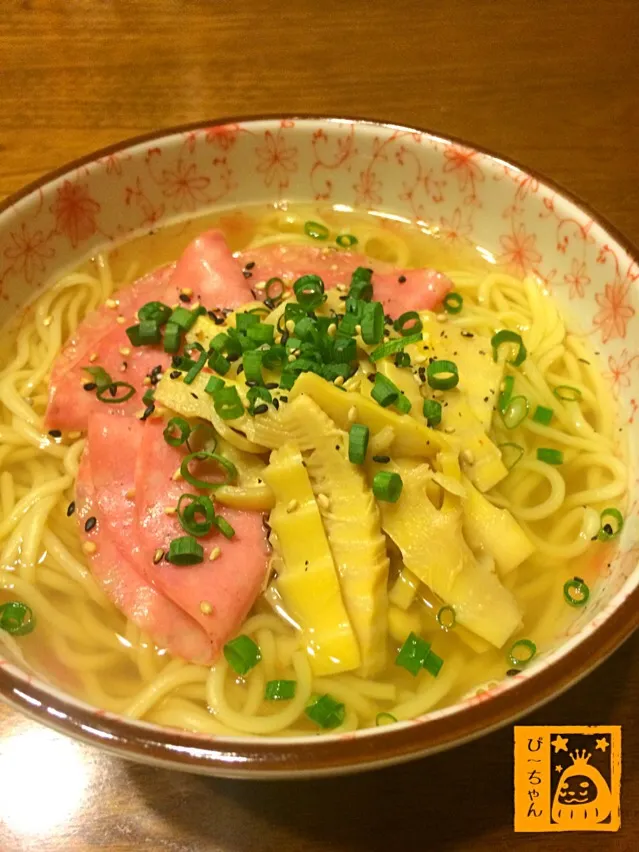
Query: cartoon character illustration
{"points": [[582, 795]]}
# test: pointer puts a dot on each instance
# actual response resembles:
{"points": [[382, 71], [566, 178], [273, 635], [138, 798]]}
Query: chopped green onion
{"points": [[287, 379], [453, 303], [172, 338], [213, 385], [204, 455], [262, 333], [576, 592], [274, 356], [446, 617], [433, 663], [344, 349], [607, 531], [223, 526], [196, 369], [372, 322], [522, 652], [183, 428], [199, 505], [219, 342], [242, 654], [227, 403], [432, 412], [331, 371], [253, 366], [544, 454], [507, 336], [16, 618], [305, 329], [280, 690], [413, 654], [158, 312], [361, 284], [185, 551], [309, 292], [274, 289], [183, 318], [294, 312], [245, 320], [100, 377], [346, 240], [358, 443], [113, 398], [384, 719], [408, 323], [148, 396], [511, 454], [402, 359], [219, 364], [516, 411], [387, 486], [543, 415], [258, 393], [506, 394], [316, 230], [442, 375], [384, 391], [403, 404], [144, 334], [392, 346], [326, 712], [567, 393]]}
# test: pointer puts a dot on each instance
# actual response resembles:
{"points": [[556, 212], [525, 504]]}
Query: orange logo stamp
{"points": [[567, 778]]}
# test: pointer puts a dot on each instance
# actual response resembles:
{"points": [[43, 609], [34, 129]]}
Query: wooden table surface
{"points": [[551, 84]]}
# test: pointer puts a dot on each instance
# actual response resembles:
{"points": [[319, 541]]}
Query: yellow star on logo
{"points": [[602, 744], [560, 743], [559, 768]]}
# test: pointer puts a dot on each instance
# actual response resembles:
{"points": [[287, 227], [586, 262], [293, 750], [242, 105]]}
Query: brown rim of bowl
{"points": [[231, 757]]}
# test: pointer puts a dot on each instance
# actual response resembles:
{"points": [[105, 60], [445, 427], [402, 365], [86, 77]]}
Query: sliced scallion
{"points": [[384, 392], [384, 719], [346, 240], [184, 318], [358, 436], [185, 551], [224, 527], [522, 652], [511, 454], [227, 403], [372, 322], [506, 394], [114, 397], [390, 347], [100, 377], [432, 412], [177, 431], [607, 530], [442, 375], [316, 230], [16, 618], [516, 411], [507, 336], [387, 486], [172, 338], [412, 654], [199, 505], [158, 312], [576, 592], [543, 415], [446, 617], [550, 456], [408, 324], [221, 461], [196, 369], [326, 712], [567, 393], [242, 654], [280, 690], [453, 303], [309, 292], [253, 366]]}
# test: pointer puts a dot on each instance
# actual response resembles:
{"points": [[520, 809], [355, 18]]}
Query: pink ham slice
{"points": [[230, 583], [398, 290], [105, 477], [207, 268]]}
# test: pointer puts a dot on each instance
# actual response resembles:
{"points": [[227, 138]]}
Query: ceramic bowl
{"points": [[465, 194]]}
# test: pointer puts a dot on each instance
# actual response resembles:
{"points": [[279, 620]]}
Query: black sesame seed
{"points": [[276, 404], [184, 297], [467, 334], [269, 303], [240, 369], [194, 395], [232, 357], [175, 374], [113, 390], [260, 409], [124, 365], [271, 385], [402, 279], [283, 399], [247, 274], [343, 298], [250, 264], [157, 369], [513, 672], [381, 459], [148, 411], [55, 433], [90, 523], [607, 528], [70, 508], [371, 377], [250, 383], [90, 386], [285, 337]]}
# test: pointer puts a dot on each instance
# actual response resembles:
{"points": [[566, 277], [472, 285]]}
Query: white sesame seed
{"points": [[111, 303], [292, 506], [442, 318], [170, 510], [418, 381], [120, 320], [467, 456], [73, 436], [261, 285], [89, 547], [341, 287], [338, 381], [290, 326], [186, 291], [157, 556], [358, 329], [130, 494], [205, 608], [125, 350], [419, 359], [123, 367], [47, 321], [352, 414], [331, 330], [146, 381], [214, 554], [93, 357], [291, 358], [177, 475], [449, 430], [323, 501]]}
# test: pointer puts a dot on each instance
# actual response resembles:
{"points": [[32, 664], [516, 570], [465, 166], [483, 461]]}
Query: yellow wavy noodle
{"points": [[111, 663]]}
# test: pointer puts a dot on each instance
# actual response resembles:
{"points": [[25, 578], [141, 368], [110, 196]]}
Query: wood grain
{"points": [[550, 84]]}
